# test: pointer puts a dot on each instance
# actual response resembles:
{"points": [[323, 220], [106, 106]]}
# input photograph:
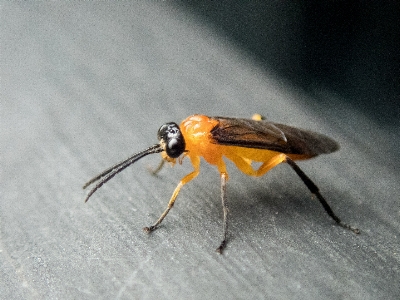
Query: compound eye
{"points": [[171, 136]]}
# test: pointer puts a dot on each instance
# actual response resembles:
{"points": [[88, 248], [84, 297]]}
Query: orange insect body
{"points": [[199, 142], [243, 142], [196, 132]]}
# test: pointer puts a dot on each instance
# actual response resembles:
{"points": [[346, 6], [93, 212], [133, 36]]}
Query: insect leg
{"points": [[225, 210], [158, 169], [184, 180], [314, 190], [245, 165]]}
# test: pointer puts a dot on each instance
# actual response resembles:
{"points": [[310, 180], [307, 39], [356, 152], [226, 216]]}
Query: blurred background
{"points": [[350, 48]]}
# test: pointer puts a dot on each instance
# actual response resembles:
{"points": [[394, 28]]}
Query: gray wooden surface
{"points": [[85, 85]]}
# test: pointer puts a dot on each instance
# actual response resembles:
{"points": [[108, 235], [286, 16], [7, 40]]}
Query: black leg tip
{"points": [[149, 229], [221, 247], [355, 230]]}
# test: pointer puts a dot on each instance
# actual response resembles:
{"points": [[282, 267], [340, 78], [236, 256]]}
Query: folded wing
{"points": [[270, 136]]}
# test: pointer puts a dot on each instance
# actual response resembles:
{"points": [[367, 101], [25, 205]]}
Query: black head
{"points": [[171, 136]]}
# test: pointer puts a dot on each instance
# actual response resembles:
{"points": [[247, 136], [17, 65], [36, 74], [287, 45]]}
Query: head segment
{"points": [[171, 139]]}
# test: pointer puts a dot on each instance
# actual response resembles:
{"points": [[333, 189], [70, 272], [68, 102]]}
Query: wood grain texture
{"points": [[85, 85]]}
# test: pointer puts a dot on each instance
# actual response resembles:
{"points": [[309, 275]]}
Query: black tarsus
{"points": [[315, 190], [112, 171], [225, 210]]}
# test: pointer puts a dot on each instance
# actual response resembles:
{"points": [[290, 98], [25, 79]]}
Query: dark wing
{"points": [[270, 136]]}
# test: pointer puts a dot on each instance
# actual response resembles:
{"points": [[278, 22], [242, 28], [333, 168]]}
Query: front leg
{"points": [[196, 164]]}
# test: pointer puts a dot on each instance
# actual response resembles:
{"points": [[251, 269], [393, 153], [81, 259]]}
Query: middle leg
{"points": [[225, 210]]}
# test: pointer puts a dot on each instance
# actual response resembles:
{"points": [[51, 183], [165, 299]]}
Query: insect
{"points": [[242, 141]]}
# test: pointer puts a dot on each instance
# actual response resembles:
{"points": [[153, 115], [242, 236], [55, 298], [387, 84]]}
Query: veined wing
{"points": [[270, 136]]}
